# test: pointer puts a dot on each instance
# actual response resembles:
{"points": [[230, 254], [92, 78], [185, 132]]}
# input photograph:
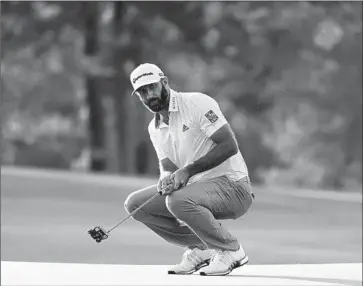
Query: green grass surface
{"points": [[45, 219]]}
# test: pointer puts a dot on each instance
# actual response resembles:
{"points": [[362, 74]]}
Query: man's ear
{"points": [[164, 80]]}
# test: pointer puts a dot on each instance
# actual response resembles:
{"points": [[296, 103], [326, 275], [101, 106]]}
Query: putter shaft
{"points": [[135, 211]]}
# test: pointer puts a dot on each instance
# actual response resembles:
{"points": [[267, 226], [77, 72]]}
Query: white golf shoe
{"points": [[193, 260], [224, 262]]}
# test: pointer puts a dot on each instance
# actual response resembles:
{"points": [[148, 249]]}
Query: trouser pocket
{"points": [[227, 199], [242, 193]]}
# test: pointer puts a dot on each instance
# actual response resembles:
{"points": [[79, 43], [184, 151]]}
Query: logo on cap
{"points": [[140, 76]]}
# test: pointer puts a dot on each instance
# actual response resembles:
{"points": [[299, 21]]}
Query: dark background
{"points": [[288, 76]]}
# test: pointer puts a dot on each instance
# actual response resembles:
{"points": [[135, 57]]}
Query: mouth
{"points": [[154, 102], [155, 105]]}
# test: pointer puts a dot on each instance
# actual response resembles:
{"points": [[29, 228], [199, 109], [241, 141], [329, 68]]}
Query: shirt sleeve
{"points": [[159, 152], [207, 114]]}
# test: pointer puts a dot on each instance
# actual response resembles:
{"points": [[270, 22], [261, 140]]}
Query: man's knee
{"points": [[136, 199], [132, 202], [178, 204]]}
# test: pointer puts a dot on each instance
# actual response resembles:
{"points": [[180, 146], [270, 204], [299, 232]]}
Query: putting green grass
{"points": [[45, 217]]}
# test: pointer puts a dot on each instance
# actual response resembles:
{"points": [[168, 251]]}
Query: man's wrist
{"points": [[164, 174], [191, 170]]}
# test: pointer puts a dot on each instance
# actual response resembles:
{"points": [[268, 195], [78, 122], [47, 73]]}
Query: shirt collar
{"points": [[173, 107], [173, 102]]}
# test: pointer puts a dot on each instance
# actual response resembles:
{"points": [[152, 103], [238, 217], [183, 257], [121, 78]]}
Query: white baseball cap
{"points": [[145, 74]]}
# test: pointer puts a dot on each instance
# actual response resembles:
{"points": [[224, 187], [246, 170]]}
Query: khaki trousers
{"points": [[199, 206]]}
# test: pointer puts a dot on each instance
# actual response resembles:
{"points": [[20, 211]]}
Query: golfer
{"points": [[203, 176]]}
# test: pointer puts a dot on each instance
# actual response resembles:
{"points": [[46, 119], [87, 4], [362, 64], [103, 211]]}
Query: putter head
{"points": [[98, 234]]}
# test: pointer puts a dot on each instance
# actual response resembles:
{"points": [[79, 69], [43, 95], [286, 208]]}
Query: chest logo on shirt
{"points": [[211, 116], [185, 128]]}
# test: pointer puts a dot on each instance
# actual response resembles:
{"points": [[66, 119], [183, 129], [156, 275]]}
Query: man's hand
{"points": [[167, 190], [165, 184], [180, 178]]}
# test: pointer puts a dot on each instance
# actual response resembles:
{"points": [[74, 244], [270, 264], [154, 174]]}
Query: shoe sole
{"points": [[238, 264], [204, 264]]}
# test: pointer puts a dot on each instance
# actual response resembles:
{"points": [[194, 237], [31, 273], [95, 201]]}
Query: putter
{"points": [[98, 233]]}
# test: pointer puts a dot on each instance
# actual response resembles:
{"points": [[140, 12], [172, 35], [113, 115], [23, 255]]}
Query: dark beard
{"points": [[156, 105]]}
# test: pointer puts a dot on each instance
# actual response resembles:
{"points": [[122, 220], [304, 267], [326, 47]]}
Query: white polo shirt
{"points": [[193, 118]]}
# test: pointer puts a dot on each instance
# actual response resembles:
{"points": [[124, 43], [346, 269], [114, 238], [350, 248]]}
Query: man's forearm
{"points": [[216, 156], [167, 167]]}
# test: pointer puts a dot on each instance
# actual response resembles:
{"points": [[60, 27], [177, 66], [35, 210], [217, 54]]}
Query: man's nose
{"points": [[146, 91], [150, 94]]}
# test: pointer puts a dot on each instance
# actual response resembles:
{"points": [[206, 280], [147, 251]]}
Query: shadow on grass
{"points": [[346, 282]]}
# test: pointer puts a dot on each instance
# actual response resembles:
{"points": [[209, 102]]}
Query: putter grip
{"points": [[166, 187]]}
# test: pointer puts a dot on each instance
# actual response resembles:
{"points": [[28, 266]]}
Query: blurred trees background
{"points": [[288, 76]]}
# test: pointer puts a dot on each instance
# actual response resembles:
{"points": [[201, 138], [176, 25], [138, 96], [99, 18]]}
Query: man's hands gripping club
{"points": [[165, 184], [171, 182]]}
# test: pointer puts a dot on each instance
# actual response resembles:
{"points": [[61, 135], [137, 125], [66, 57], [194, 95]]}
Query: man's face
{"points": [[153, 96]]}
